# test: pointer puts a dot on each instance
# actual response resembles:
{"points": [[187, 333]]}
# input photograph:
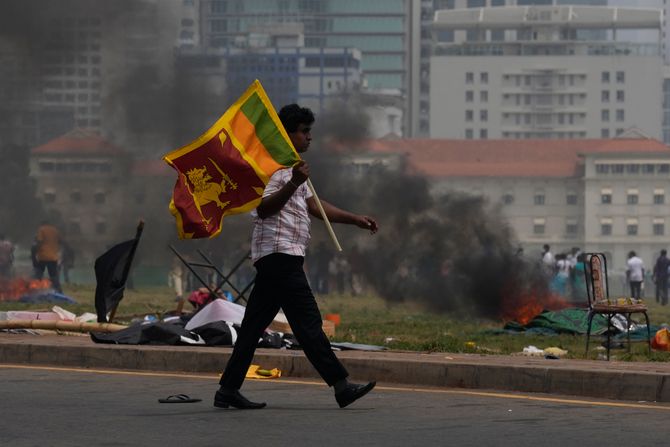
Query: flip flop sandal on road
{"points": [[178, 399]]}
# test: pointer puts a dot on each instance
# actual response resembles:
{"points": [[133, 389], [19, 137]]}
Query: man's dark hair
{"points": [[292, 115], [664, 252]]}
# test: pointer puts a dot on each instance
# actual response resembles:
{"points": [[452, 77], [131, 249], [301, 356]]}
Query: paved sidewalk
{"points": [[613, 380]]}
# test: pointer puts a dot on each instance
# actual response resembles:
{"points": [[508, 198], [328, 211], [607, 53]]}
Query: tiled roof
{"points": [[507, 158], [78, 142]]}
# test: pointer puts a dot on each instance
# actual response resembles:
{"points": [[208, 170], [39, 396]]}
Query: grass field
{"points": [[369, 319]]}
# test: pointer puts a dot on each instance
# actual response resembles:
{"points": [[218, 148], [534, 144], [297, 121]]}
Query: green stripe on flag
{"points": [[266, 131]]}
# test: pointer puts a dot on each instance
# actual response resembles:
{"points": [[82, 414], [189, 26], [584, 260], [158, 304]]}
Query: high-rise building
{"points": [[541, 79], [385, 31], [421, 101]]}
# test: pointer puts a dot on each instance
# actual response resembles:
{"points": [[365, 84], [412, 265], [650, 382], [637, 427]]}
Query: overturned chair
{"points": [[597, 291]]}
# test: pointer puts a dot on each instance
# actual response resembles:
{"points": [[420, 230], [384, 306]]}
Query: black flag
{"points": [[111, 273]]}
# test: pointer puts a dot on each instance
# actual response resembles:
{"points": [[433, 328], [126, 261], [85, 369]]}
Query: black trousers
{"points": [[636, 289], [281, 283], [52, 268]]}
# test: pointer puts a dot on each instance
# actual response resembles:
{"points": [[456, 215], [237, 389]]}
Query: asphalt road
{"points": [[43, 406]]}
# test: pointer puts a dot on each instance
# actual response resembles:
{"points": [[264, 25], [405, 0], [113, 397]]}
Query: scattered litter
{"points": [[470, 344], [389, 339], [554, 352], [533, 351], [256, 372], [448, 358]]}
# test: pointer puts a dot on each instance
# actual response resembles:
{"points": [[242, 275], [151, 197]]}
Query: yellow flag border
{"points": [[223, 124]]}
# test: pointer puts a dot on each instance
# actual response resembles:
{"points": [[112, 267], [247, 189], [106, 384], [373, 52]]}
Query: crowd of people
{"points": [[565, 272]]}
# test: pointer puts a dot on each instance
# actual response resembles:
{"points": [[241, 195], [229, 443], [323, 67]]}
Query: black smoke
{"points": [[453, 252]]}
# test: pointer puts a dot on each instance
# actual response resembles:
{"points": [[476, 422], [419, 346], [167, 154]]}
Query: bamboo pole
{"points": [[323, 216], [74, 326]]}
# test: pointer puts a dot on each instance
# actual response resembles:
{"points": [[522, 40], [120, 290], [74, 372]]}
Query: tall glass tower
{"points": [[381, 29]]}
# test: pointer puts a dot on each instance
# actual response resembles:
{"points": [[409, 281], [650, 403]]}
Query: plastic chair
{"points": [[597, 291]]}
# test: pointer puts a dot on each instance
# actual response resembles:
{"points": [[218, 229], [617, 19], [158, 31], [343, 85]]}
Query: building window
{"points": [[100, 227], [620, 115], [648, 168], [484, 78], [658, 226], [483, 115], [620, 96], [469, 77], [606, 196], [538, 198], [605, 115], [571, 198], [469, 134], [99, 197], [633, 168], [469, 96], [632, 197], [469, 115], [538, 226], [484, 96], [571, 226], [605, 96], [605, 77], [75, 196], [508, 198], [659, 196], [664, 168], [606, 227], [631, 227], [604, 133], [483, 134], [602, 168], [620, 77]]}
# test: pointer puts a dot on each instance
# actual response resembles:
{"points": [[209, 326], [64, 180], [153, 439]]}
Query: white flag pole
{"points": [[323, 215]]}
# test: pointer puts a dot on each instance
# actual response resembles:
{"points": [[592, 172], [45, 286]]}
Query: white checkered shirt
{"points": [[288, 231]]}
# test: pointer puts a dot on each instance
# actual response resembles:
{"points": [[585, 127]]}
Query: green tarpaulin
{"points": [[566, 321]]}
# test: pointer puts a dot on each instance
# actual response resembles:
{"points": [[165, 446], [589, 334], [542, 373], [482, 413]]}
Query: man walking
{"points": [[660, 277], [279, 240]]}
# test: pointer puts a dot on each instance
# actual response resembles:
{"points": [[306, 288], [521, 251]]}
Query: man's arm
{"points": [[273, 203], [338, 215]]}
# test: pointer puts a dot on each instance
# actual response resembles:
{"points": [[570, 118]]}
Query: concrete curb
{"points": [[611, 380]]}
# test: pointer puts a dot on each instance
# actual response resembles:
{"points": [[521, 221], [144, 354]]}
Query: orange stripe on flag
{"points": [[245, 132]]}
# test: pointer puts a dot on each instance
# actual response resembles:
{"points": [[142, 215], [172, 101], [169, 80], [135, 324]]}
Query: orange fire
{"points": [[12, 290], [523, 307]]}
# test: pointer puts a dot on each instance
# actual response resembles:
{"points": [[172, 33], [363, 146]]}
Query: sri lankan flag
{"points": [[225, 170]]}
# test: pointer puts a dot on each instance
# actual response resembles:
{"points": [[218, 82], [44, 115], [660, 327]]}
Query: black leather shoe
{"points": [[353, 392], [225, 399]]}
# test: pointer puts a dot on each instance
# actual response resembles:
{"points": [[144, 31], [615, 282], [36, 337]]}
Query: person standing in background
{"points": [[635, 274], [660, 277], [48, 253]]}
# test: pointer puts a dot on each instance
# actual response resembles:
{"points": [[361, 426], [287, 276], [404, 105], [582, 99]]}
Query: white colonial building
{"points": [[605, 195]]}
